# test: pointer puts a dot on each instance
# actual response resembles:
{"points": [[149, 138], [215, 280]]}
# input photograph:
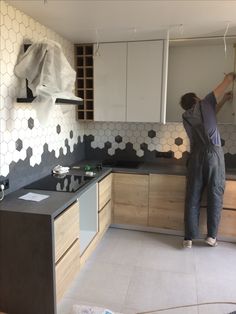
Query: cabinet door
{"points": [[104, 218], [144, 81], [197, 68], [66, 230], [66, 269], [110, 82], [130, 199], [166, 201], [104, 191]]}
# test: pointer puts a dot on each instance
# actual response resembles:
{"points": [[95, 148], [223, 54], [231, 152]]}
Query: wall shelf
{"points": [[84, 80]]}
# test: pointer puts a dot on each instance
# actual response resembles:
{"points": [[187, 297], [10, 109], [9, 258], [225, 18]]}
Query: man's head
{"points": [[188, 100]]}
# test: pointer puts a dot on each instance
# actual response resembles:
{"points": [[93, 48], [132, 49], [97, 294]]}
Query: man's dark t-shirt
{"points": [[208, 108]]}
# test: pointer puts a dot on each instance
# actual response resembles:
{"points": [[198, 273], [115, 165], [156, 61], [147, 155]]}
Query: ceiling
{"points": [[121, 20]]}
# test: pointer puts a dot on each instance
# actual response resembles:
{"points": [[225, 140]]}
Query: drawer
{"points": [[67, 269], [66, 230], [230, 195], [104, 188], [105, 217]]}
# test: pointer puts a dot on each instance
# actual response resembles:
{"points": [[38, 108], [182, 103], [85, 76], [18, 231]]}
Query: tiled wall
{"points": [[25, 141], [29, 148], [147, 138]]}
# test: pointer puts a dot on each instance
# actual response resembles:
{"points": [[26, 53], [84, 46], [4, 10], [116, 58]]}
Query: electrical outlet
{"points": [[5, 183], [168, 154]]}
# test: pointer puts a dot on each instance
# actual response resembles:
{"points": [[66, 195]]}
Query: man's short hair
{"points": [[188, 100]]}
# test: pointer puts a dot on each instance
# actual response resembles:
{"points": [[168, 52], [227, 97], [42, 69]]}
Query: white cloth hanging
{"points": [[48, 72]]}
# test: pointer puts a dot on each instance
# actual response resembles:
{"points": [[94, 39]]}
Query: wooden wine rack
{"points": [[84, 80]]}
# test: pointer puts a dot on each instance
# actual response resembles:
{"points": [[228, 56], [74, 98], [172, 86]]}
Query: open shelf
{"points": [[85, 84]]}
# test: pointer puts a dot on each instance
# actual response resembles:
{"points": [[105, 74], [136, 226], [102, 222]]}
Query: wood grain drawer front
{"points": [[66, 269], [66, 230], [105, 217], [230, 195], [166, 201], [130, 199], [104, 188]]}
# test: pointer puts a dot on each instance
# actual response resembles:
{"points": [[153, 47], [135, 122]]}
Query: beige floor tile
{"points": [[104, 284], [165, 253], [216, 288], [216, 309], [151, 289]]}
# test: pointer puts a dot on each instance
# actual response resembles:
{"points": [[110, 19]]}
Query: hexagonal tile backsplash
{"points": [[25, 140], [19, 123], [150, 136]]}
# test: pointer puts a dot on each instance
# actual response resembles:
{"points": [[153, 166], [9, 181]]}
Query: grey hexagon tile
{"points": [[30, 123], [19, 145], [58, 129], [178, 141], [151, 133], [118, 139]]}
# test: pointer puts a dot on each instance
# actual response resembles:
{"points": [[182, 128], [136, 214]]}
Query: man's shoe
{"points": [[211, 241], [187, 244]]}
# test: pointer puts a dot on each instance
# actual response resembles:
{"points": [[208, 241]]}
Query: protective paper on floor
{"points": [[85, 309]]}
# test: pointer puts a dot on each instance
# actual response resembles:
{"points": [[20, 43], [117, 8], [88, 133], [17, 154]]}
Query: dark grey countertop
{"points": [[58, 201], [165, 168], [53, 205]]}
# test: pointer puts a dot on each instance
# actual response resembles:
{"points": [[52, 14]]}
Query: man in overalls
{"points": [[206, 167]]}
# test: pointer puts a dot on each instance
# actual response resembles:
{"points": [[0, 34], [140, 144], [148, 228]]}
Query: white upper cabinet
{"points": [[110, 82], [198, 68], [128, 81], [144, 81]]}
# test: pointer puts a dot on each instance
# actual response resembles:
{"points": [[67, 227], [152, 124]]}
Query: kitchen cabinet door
{"points": [[166, 201], [130, 199], [110, 82], [144, 81], [199, 68]]}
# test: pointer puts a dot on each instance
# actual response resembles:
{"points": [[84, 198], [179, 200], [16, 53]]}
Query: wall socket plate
{"points": [[168, 154], [5, 183]]}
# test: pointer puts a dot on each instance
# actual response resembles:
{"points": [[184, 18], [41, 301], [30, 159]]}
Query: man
{"points": [[206, 166]]}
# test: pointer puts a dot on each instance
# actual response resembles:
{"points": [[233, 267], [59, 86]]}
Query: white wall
{"points": [[197, 69]]}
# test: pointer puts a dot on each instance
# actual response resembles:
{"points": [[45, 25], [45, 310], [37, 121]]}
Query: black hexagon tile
{"points": [[107, 145], [58, 129], [151, 133], [178, 141], [118, 139], [222, 142], [19, 145], [71, 134], [30, 123]]}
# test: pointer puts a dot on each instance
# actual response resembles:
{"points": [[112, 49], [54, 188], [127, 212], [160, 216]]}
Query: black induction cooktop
{"points": [[60, 183]]}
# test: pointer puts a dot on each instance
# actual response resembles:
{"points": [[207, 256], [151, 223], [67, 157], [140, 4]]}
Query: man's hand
{"points": [[220, 89], [227, 96], [230, 77]]}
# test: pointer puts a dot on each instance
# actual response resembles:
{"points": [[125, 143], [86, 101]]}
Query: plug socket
{"points": [[168, 154], [5, 183]]}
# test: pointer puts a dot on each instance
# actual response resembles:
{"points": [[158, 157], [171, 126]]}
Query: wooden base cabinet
{"points": [[67, 269], [166, 201], [104, 215], [67, 249], [130, 199], [227, 227]]}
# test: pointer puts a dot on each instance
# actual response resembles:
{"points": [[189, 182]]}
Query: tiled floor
{"points": [[133, 272]]}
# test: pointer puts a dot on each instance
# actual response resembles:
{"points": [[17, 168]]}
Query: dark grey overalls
{"points": [[205, 168]]}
